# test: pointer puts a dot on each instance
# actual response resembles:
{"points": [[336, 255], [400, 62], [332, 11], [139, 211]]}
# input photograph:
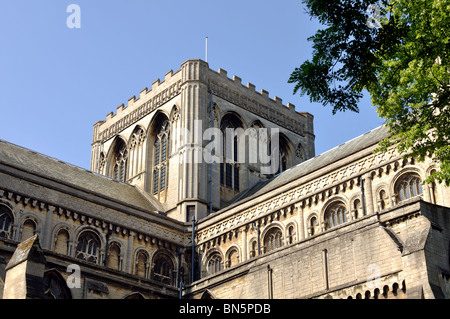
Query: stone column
{"points": [[25, 271], [368, 194], [129, 259], [47, 233], [301, 221]]}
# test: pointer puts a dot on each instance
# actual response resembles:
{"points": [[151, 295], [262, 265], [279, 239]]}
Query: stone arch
{"points": [[207, 295], [335, 212], [313, 224], [89, 244], [114, 255], [214, 261], [158, 151], [62, 237], [134, 295], [383, 197], [291, 235], [136, 151], [272, 237], [163, 267], [29, 225], [400, 176], [117, 158], [142, 262], [232, 256], [331, 201], [356, 208], [55, 286], [7, 221]]}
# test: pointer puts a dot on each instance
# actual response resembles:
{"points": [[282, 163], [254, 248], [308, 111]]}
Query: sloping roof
{"points": [[320, 161], [73, 176]]}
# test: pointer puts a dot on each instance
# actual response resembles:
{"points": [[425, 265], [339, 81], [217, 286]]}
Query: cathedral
{"points": [[202, 187]]}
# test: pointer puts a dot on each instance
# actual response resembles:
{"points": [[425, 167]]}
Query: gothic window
{"points": [[215, 263], [335, 215], [55, 287], [283, 153], [6, 220], [88, 247], [141, 264], [120, 161], [160, 158], [408, 186], [136, 152], [163, 269], [229, 167], [273, 240]]}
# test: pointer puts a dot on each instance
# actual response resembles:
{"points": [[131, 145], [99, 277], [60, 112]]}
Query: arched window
{"points": [[335, 215], [88, 247], [6, 221], [120, 160], [215, 263], [383, 201], [141, 264], [62, 242], [55, 287], [254, 249], [408, 186], [136, 152], [229, 167], [163, 269], [28, 229], [313, 226], [273, 240], [233, 257], [291, 234], [113, 257], [284, 153], [357, 208], [160, 157]]}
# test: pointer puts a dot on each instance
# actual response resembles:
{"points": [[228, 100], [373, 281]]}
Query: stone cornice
{"points": [[239, 216]]}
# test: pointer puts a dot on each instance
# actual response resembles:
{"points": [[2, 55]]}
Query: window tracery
{"points": [[163, 269], [6, 221], [408, 186], [273, 240], [88, 247], [160, 158], [335, 215], [120, 161], [215, 263]]}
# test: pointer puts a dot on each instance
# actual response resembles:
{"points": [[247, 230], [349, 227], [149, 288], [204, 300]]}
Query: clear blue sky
{"points": [[56, 82]]}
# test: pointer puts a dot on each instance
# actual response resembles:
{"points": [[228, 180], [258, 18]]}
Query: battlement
{"points": [[252, 89], [231, 89]]}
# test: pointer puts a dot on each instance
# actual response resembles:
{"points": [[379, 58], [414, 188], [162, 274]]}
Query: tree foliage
{"points": [[404, 65]]}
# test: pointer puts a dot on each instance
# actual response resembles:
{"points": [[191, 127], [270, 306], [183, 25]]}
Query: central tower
{"points": [[159, 140]]}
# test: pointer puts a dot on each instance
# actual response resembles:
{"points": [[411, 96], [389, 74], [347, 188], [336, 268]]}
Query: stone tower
{"points": [[160, 140]]}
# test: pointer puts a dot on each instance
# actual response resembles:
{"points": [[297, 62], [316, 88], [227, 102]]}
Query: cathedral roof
{"points": [[49, 169]]}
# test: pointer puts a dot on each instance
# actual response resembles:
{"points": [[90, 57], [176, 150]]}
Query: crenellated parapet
{"points": [[229, 89]]}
